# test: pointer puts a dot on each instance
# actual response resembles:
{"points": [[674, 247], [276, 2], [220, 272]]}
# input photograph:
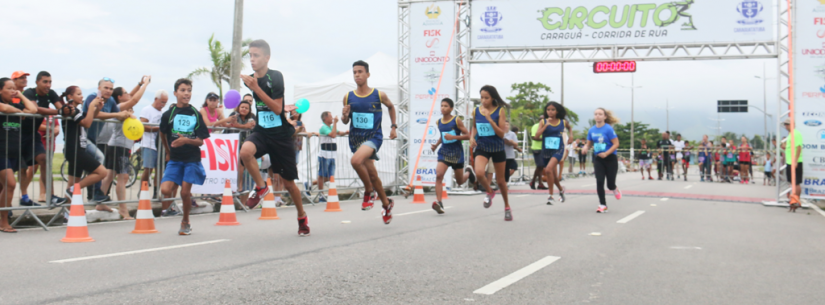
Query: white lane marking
{"points": [[630, 217], [817, 209], [596, 234], [519, 196], [665, 199], [137, 251], [685, 248], [653, 204], [689, 186], [416, 212], [587, 185], [516, 276]]}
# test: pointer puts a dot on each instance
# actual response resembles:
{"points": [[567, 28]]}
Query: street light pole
{"points": [[632, 113], [765, 103]]}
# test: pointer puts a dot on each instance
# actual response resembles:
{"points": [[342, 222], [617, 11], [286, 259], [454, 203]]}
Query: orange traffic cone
{"points": [[145, 219], [444, 192], [268, 210], [227, 208], [418, 194], [76, 230], [332, 200]]}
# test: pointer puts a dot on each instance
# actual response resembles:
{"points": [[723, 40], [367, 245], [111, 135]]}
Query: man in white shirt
{"points": [[678, 146], [149, 150]]}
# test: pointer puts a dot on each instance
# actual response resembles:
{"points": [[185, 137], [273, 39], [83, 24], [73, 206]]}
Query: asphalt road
{"points": [[675, 252]]}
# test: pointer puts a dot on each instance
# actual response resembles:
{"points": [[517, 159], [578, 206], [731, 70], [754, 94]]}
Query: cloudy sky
{"points": [[81, 41]]}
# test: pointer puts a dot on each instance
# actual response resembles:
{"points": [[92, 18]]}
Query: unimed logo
{"points": [[226, 149]]}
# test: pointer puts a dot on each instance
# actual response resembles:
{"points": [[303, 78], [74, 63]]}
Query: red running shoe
{"points": [[303, 226], [256, 196], [387, 212], [369, 202]]}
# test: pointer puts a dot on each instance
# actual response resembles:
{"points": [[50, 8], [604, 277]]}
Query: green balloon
{"points": [[303, 105]]}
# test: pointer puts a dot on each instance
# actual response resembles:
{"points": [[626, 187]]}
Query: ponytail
{"points": [[69, 91], [609, 117]]}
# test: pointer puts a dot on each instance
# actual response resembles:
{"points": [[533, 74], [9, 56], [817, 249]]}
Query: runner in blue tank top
{"points": [[451, 154], [552, 149], [604, 141], [489, 121], [363, 108]]}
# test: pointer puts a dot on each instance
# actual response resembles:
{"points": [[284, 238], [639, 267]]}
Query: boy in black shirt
{"points": [[74, 130], [273, 132], [182, 131]]}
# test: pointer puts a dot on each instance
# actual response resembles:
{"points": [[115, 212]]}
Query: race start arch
{"points": [[438, 41]]}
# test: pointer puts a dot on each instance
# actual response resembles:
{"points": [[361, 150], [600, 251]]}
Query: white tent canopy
{"points": [[328, 95]]}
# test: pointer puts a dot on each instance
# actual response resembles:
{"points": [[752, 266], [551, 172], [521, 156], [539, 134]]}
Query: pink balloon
{"points": [[232, 98]]}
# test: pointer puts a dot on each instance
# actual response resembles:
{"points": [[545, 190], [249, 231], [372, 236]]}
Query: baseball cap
{"points": [[787, 121], [19, 74], [212, 95]]}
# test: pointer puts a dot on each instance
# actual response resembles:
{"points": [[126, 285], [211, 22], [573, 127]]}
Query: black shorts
{"points": [[497, 157], [798, 173], [281, 154], [29, 150], [81, 161], [9, 163], [582, 158], [769, 175], [511, 164], [745, 162], [453, 165], [117, 159]]}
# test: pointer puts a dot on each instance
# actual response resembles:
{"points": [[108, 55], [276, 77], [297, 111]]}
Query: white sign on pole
{"points": [[541, 23], [219, 156], [809, 93], [431, 27]]}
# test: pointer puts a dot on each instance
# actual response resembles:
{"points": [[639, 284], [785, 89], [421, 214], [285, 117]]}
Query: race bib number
{"points": [[600, 147], [362, 120], [552, 142], [485, 130], [730, 156], [444, 140], [184, 123], [701, 159], [269, 119]]}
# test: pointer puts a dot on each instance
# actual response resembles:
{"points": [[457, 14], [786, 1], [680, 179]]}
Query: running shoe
{"points": [[185, 229], [307, 187], [101, 198], [702, 179], [650, 177], [602, 209], [488, 200], [256, 196], [472, 176], [28, 203], [303, 226], [542, 187], [386, 213], [550, 200], [57, 200], [438, 207], [618, 194], [561, 195], [508, 216], [322, 199], [169, 213], [369, 202], [533, 185]]}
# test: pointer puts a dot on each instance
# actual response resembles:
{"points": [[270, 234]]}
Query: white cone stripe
{"points": [[268, 204], [145, 195], [227, 192], [333, 198], [77, 221], [419, 191], [227, 208], [77, 199], [144, 214]]}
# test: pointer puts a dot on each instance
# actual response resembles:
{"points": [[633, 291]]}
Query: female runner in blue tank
{"points": [[604, 141], [363, 107], [489, 121], [552, 150], [451, 154]]}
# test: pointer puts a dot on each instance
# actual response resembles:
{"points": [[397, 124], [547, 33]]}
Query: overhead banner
{"points": [[542, 23], [809, 93], [431, 25], [219, 156]]}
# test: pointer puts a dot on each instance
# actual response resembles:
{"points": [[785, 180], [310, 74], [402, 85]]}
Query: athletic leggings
{"points": [[607, 167]]}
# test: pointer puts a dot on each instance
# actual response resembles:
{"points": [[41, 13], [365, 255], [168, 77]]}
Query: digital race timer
{"points": [[614, 66]]}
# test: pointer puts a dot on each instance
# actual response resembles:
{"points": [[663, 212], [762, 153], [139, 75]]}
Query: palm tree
{"points": [[219, 72]]}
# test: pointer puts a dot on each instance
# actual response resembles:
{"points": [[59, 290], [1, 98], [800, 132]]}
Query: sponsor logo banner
{"points": [[219, 156]]}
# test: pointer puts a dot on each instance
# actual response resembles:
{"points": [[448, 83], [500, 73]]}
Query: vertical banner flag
{"points": [[809, 93], [431, 24], [219, 156]]}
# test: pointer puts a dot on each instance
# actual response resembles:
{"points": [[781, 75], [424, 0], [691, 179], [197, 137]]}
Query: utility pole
{"points": [[632, 114], [765, 102], [235, 63]]}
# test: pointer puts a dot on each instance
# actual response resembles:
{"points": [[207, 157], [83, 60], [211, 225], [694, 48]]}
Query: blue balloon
{"points": [[303, 105]]}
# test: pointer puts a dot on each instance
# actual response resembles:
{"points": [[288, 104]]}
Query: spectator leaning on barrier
{"points": [[793, 158], [21, 80], [98, 133], [212, 113], [119, 148], [9, 147], [329, 148], [33, 149], [149, 143]]}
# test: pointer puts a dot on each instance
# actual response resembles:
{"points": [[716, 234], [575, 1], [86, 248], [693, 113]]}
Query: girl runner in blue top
{"points": [[552, 149], [451, 154], [605, 142], [489, 119]]}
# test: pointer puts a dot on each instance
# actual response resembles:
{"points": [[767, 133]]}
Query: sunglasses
{"points": [[106, 79]]}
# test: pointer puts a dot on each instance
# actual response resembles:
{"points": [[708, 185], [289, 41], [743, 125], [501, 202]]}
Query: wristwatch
{"points": [[394, 126]]}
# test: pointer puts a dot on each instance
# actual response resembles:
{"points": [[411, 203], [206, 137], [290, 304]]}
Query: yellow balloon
{"points": [[133, 129]]}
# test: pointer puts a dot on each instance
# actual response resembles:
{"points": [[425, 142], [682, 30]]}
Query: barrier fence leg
{"points": [[28, 213]]}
